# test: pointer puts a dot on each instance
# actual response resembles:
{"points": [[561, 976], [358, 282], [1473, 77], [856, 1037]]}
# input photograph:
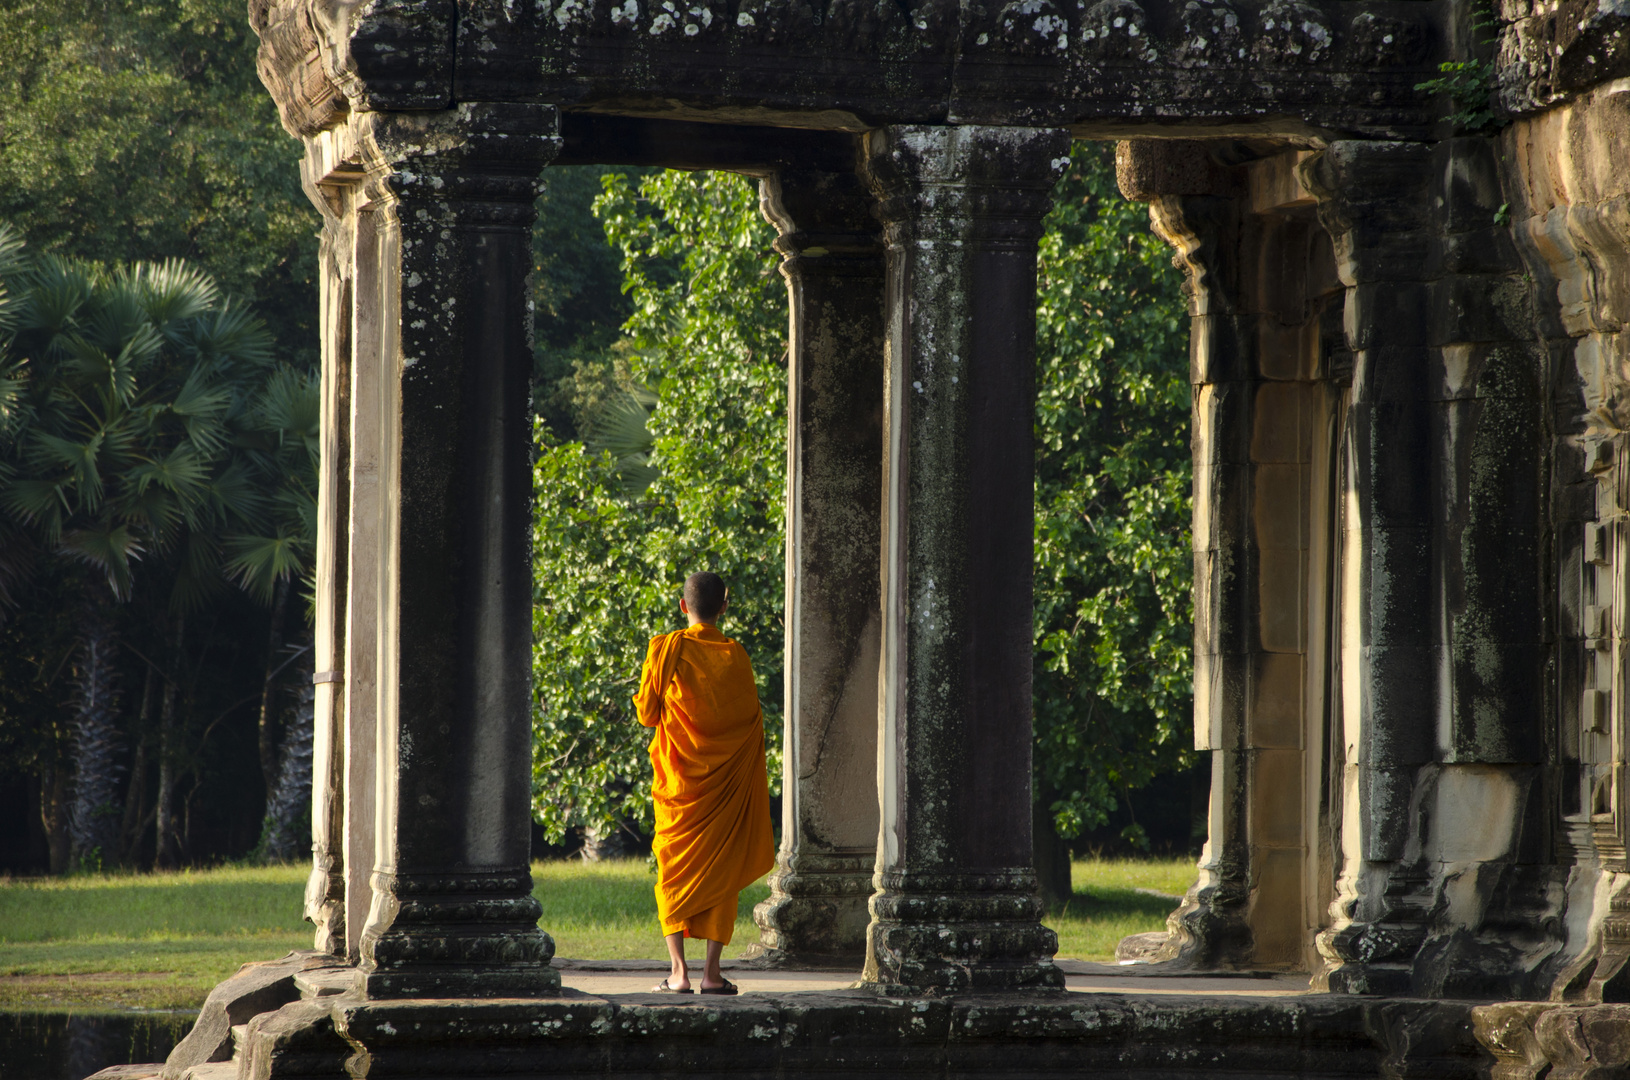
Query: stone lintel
{"points": [[1308, 68]]}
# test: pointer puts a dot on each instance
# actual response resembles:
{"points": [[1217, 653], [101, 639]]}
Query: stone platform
{"points": [[1111, 1022]]}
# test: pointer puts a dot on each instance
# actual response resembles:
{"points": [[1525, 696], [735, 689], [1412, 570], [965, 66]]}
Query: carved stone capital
{"points": [[989, 185], [479, 164]]}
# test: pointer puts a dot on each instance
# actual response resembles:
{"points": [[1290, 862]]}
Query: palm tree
{"points": [[130, 405], [282, 441]]}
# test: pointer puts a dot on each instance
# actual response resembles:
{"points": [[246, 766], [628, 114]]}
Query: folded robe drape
{"points": [[712, 796]]}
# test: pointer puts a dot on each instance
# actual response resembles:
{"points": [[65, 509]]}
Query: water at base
{"points": [[72, 1046]]}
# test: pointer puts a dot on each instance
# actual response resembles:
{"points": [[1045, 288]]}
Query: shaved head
{"points": [[705, 595]]}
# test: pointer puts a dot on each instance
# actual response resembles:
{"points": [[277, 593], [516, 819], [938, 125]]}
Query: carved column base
{"points": [[1376, 956], [816, 913], [954, 933], [1209, 929], [472, 936], [325, 903]]}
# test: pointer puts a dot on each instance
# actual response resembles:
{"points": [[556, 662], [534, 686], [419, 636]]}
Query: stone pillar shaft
{"points": [[452, 912], [956, 905], [834, 269], [325, 887]]}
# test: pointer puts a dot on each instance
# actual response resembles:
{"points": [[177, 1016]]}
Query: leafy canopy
{"points": [[144, 416]]}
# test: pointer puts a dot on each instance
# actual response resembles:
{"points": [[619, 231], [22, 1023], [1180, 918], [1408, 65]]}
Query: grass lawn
{"points": [[162, 940]]}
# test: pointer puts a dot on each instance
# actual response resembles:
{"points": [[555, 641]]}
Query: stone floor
{"points": [[600, 977], [1116, 1023]]}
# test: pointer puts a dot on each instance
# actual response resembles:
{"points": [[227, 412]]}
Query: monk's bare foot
{"points": [[678, 982]]}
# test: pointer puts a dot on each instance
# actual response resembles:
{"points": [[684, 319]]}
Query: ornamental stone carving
{"points": [[1113, 30], [1291, 32], [1211, 33], [1385, 40]]}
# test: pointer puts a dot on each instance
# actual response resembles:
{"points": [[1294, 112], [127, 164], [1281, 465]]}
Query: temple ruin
{"points": [[1410, 368]]}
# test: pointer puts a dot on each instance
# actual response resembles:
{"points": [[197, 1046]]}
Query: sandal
{"points": [[663, 988], [727, 987]]}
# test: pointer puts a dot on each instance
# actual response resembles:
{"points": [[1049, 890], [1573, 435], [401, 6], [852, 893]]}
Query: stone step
{"points": [[325, 982], [215, 1070], [129, 1072]]}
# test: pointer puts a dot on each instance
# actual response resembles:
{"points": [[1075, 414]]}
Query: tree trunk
{"points": [[1052, 853], [131, 828], [167, 855], [275, 661], [93, 819], [54, 817], [286, 834]]}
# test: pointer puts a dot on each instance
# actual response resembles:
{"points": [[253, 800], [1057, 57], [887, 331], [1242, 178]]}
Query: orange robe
{"points": [[711, 791]]}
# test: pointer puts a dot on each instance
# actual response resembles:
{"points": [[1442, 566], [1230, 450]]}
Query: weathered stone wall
{"points": [[1565, 177]]}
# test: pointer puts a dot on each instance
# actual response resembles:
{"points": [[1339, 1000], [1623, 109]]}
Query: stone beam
{"points": [[956, 905], [444, 251], [1286, 67], [833, 263], [592, 139]]}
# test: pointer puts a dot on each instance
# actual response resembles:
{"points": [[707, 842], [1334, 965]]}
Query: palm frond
{"points": [[12, 244], [77, 458], [291, 406], [236, 496], [173, 291], [57, 290], [109, 358], [201, 404], [620, 428], [106, 548], [11, 260], [227, 337], [13, 380], [258, 563], [182, 472], [40, 502], [198, 573]]}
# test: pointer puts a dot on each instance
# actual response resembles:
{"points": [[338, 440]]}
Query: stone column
{"points": [[452, 912], [325, 887], [1443, 648], [833, 264], [956, 905]]}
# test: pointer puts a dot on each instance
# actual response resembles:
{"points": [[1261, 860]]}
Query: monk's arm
{"points": [[648, 701]]}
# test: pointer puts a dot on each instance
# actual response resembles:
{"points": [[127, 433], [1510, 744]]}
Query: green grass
{"points": [[162, 940], [1108, 907]]}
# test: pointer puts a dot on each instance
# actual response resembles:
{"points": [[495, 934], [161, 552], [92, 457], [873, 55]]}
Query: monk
{"points": [[712, 794]]}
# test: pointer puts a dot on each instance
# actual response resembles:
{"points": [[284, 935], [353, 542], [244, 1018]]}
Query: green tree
{"points": [[138, 404], [137, 130], [707, 335], [1114, 604]]}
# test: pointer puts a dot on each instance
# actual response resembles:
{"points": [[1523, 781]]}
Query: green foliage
{"points": [[137, 130], [148, 420], [707, 333], [1470, 86], [1114, 617]]}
